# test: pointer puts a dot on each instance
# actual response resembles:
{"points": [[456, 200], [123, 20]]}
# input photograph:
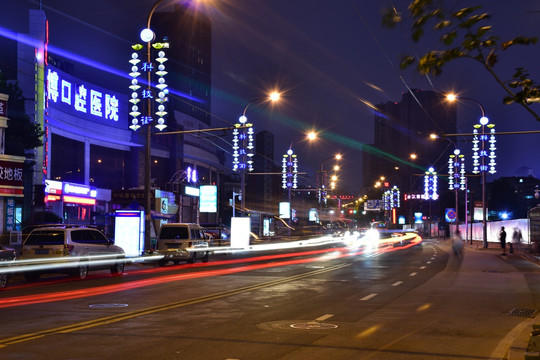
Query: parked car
{"points": [[182, 242], [7, 257], [71, 249]]}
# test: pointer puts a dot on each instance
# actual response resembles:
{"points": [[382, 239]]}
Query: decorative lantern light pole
{"points": [[243, 140], [158, 92], [430, 189], [289, 175], [456, 177], [484, 160]]}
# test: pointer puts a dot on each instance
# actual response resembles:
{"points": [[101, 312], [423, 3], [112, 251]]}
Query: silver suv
{"points": [[182, 242], [69, 248]]}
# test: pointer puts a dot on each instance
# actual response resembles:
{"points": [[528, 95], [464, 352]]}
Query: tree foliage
{"points": [[464, 33], [22, 133]]}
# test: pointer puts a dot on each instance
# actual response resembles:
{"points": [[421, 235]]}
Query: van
{"points": [[74, 249], [182, 242]]}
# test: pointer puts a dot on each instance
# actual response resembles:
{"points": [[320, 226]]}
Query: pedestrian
{"points": [[516, 240], [457, 245], [502, 239]]}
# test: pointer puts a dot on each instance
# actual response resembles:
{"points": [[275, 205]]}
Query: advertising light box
{"points": [[129, 231], [208, 198]]}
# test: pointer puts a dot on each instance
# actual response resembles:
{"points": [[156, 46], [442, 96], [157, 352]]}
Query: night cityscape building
{"points": [[403, 128], [91, 163]]}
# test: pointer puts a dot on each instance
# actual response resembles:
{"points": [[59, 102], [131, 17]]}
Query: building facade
{"points": [[92, 163]]}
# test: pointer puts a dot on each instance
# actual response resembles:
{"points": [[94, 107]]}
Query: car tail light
{"points": [[68, 249]]}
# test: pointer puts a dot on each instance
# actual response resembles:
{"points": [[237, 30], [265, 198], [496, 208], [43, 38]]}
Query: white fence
{"points": [[493, 229]]}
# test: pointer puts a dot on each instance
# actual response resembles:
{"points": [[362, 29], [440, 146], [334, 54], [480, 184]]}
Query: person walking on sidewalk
{"points": [[516, 240], [457, 245], [502, 239]]}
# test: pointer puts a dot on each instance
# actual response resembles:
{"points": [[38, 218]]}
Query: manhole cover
{"points": [[313, 325], [106, 306], [522, 312]]}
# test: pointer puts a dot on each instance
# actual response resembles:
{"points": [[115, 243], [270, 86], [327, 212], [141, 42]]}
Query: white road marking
{"points": [[324, 317], [397, 283], [412, 274], [422, 267], [429, 262], [366, 298]]}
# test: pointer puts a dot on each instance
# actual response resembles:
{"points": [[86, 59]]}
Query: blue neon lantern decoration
{"points": [[243, 145], [430, 185], [456, 171], [289, 170]]}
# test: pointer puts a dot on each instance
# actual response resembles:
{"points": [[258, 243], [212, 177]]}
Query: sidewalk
{"points": [[490, 260]]}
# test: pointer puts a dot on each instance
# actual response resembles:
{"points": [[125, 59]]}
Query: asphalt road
{"points": [[414, 303]]}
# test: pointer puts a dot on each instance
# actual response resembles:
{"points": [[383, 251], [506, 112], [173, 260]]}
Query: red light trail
{"points": [[107, 289]]}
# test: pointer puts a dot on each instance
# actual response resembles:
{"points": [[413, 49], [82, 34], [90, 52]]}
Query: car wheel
{"points": [[31, 276], [118, 268], [4, 279], [192, 258], [205, 258], [82, 270]]}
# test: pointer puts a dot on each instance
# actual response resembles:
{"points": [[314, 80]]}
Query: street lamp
{"points": [[456, 178], [243, 145], [290, 170], [481, 152], [322, 192], [148, 36]]}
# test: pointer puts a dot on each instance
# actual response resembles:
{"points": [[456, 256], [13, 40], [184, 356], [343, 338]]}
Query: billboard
{"points": [[208, 198]]}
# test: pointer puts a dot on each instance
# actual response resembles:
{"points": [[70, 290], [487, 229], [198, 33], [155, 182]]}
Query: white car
{"points": [[69, 248], [182, 242]]}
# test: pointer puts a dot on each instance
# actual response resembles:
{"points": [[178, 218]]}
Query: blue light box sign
{"points": [[82, 99]]}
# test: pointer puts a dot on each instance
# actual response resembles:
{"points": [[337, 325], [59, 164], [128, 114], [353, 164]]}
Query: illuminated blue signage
{"points": [[80, 190], [85, 100]]}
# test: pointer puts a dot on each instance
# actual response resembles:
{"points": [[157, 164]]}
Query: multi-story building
{"points": [[92, 163], [403, 128]]}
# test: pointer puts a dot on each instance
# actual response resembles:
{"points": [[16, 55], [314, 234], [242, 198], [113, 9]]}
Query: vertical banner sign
{"points": [[10, 214]]}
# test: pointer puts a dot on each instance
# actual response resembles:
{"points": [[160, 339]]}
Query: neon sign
{"points": [[83, 99]]}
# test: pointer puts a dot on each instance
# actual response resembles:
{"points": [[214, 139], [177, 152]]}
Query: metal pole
{"points": [[484, 223], [242, 192], [457, 211], [466, 209], [148, 154]]}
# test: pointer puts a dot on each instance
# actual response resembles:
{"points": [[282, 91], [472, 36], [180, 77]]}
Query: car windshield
{"points": [[174, 232]]}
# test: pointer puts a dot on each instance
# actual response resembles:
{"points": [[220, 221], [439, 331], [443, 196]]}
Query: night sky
{"points": [[329, 58]]}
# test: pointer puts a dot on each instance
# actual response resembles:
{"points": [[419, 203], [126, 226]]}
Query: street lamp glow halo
{"points": [[484, 120]]}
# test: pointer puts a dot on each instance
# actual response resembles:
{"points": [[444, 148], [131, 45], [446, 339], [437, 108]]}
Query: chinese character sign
{"points": [[84, 100]]}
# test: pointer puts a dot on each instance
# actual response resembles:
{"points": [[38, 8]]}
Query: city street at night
{"points": [[329, 302]]}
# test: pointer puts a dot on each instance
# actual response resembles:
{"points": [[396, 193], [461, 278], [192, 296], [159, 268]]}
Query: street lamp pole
{"points": [[290, 171], [481, 154], [148, 36], [321, 172], [243, 153]]}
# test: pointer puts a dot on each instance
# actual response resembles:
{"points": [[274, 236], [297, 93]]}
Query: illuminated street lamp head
{"points": [[456, 152], [433, 136], [289, 152], [147, 35], [451, 97], [338, 156], [336, 167], [484, 120], [413, 156], [274, 96], [311, 136], [242, 119]]}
